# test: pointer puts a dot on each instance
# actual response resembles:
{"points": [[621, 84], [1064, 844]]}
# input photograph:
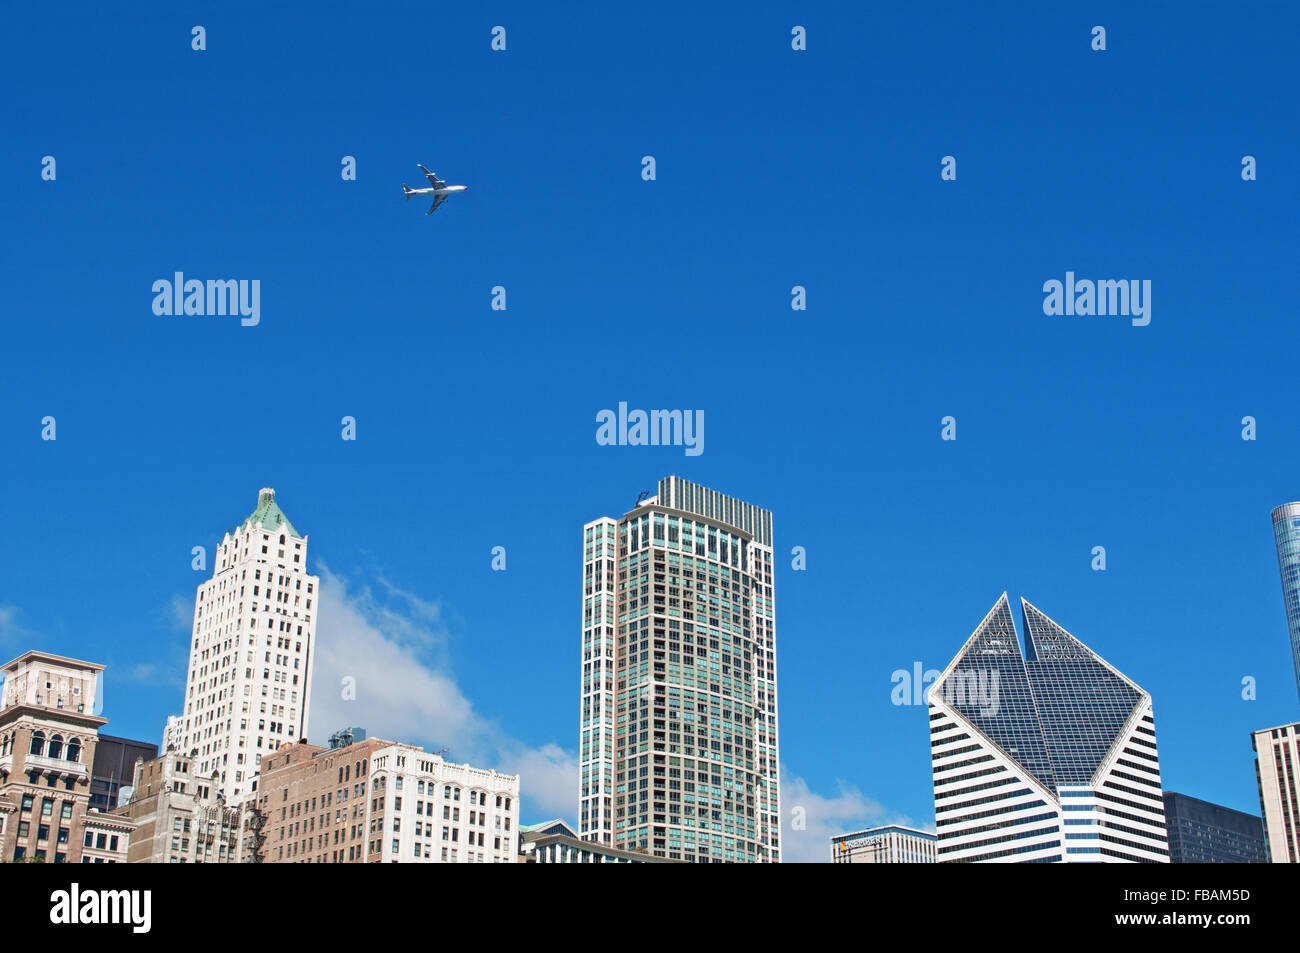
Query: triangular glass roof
{"points": [[1057, 710], [1082, 703], [989, 687]]}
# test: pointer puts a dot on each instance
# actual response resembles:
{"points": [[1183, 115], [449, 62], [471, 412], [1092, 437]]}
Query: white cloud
{"points": [[809, 819], [10, 631], [179, 613], [391, 645], [550, 776]]}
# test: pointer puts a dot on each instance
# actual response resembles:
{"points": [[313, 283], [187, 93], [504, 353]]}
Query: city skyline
{"points": [[476, 427], [925, 820]]}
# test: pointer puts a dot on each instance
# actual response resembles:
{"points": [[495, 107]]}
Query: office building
{"points": [[248, 690], [555, 842], [1277, 757], [180, 818], [1046, 756], [114, 766], [1204, 833], [376, 801], [678, 715], [105, 838], [892, 844], [49, 727]]}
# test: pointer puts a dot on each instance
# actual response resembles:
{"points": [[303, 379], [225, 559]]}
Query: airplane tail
{"points": [[408, 190]]}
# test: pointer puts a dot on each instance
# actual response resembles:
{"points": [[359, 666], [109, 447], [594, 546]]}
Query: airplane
{"points": [[438, 189]]}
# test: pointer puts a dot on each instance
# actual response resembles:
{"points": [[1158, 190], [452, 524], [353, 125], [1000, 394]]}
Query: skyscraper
{"points": [[1048, 756], [1277, 760], [249, 684], [678, 729], [1286, 534]]}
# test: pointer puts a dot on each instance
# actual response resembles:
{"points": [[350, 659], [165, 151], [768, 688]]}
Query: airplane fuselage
{"points": [[445, 190]]}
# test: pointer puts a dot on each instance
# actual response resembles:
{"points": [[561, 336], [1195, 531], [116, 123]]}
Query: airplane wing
{"points": [[436, 202], [436, 182]]}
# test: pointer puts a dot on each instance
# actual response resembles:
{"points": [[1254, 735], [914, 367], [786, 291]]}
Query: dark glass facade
{"points": [[1204, 833], [1059, 707], [114, 768]]}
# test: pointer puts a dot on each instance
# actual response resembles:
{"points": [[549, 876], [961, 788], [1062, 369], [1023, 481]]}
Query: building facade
{"points": [[678, 713], [1286, 536], [1277, 758], [49, 728], [106, 838], [1205, 833], [114, 767], [376, 801], [1047, 756], [248, 690], [555, 842], [180, 818], [885, 845]]}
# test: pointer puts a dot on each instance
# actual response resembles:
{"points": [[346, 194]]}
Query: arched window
{"points": [[74, 749], [38, 743], [56, 746]]}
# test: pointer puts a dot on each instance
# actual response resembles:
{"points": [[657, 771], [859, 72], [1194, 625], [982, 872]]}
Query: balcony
{"points": [[55, 766]]}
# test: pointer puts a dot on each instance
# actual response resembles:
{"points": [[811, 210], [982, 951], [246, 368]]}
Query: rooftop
{"points": [[269, 515]]}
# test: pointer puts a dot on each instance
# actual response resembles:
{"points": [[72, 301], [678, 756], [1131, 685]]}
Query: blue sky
{"points": [[476, 427]]}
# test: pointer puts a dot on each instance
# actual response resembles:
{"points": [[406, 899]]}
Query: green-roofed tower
{"points": [[252, 650], [269, 515]]}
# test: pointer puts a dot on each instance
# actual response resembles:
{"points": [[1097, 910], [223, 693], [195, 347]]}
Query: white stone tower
{"points": [[249, 684]]}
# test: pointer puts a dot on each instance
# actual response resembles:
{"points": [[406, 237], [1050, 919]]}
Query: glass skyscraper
{"points": [[1049, 756], [678, 725], [1286, 533]]}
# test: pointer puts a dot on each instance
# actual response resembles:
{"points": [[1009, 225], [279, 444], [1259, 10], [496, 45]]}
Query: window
{"points": [[38, 743]]}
